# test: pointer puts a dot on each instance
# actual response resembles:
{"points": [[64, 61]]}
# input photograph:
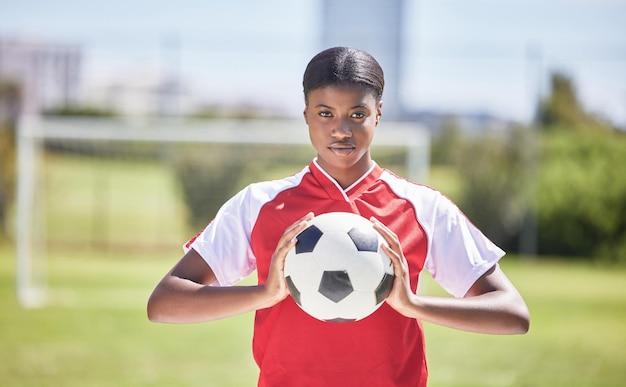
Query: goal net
{"points": [[116, 186]]}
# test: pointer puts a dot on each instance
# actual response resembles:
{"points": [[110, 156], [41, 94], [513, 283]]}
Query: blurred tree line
{"points": [[557, 187], [554, 188]]}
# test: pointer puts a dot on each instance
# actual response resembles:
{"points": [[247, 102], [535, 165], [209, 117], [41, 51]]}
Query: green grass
{"points": [[110, 202], [577, 335], [94, 332]]}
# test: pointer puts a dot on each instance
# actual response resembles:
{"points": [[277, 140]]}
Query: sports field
{"points": [[94, 330]]}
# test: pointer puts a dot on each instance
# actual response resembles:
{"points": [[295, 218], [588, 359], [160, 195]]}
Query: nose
{"points": [[342, 129]]}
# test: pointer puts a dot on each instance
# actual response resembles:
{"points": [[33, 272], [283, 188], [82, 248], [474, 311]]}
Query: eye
{"points": [[324, 113], [358, 115]]}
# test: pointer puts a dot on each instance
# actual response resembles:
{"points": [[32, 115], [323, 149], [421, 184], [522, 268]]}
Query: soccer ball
{"points": [[337, 271]]}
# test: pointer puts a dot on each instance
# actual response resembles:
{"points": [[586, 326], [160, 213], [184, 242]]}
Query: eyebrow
{"points": [[359, 106]]}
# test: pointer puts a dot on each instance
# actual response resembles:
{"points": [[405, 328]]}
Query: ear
{"points": [[379, 112], [305, 117]]}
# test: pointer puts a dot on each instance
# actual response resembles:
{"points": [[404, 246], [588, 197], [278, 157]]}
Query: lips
{"points": [[342, 149]]}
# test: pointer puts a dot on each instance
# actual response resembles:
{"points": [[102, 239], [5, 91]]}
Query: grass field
{"points": [[94, 330]]}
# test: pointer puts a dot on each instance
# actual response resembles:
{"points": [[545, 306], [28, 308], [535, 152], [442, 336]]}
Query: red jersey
{"points": [[384, 349]]}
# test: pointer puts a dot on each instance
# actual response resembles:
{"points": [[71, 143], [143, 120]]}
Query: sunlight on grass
{"points": [[576, 336], [110, 201], [95, 332]]}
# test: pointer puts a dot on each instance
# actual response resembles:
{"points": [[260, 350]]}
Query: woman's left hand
{"points": [[400, 297]]}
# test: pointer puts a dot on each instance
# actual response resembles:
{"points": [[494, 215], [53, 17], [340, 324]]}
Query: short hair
{"points": [[344, 65]]}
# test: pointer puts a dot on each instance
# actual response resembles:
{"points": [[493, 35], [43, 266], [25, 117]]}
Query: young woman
{"points": [[424, 230]]}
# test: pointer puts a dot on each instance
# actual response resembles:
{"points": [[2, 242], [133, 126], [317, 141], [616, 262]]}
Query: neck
{"points": [[348, 176]]}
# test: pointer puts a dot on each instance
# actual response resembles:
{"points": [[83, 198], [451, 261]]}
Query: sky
{"points": [[487, 56]]}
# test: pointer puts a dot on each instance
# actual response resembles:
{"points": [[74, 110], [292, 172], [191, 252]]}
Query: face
{"points": [[341, 122]]}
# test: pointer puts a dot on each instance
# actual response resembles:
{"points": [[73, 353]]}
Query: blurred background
{"points": [[486, 58], [125, 125]]}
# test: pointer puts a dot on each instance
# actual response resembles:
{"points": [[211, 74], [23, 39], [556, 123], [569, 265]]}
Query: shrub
{"points": [[581, 203], [211, 173], [496, 173]]}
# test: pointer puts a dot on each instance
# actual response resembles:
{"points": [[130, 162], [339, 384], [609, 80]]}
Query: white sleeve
{"points": [[459, 252], [225, 242]]}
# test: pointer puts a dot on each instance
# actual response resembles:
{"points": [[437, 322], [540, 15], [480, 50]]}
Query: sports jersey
{"points": [[384, 349]]}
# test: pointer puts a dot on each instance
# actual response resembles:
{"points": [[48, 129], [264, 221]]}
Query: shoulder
{"points": [[271, 188], [404, 185], [430, 205], [255, 195], [417, 193]]}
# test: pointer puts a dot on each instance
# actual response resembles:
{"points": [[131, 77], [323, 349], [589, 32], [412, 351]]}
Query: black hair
{"points": [[341, 65]]}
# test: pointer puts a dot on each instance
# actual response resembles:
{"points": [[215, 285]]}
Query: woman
{"points": [[256, 228]]}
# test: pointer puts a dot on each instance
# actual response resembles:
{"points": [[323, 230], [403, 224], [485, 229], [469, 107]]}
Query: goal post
{"points": [[30, 285], [136, 141]]}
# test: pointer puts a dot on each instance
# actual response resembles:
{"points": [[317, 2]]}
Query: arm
{"points": [[492, 305], [184, 294]]}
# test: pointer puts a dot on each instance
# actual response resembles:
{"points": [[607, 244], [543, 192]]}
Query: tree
{"points": [[10, 98], [563, 109], [581, 201], [495, 177]]}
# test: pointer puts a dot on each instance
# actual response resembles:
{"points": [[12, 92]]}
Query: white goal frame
{"points": [[34, 130]]}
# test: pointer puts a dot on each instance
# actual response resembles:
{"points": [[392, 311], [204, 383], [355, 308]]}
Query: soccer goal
{"points": [[120, 185]]}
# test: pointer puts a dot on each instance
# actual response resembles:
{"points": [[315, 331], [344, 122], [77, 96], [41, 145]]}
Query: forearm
{"points": [[180, 301], [183, 295], [496, 312]]}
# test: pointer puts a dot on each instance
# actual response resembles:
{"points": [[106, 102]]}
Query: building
{"points": [[48, 75], [375, 26]]}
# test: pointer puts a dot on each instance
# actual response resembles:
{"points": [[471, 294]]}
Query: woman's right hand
{"points": [[276, 286]]}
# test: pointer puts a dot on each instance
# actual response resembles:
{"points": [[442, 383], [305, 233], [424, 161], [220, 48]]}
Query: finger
{"points": [[305, 218], [300, 224], [299, 227], [396, 259], [288, 239], [400, 266], [390, 237], [394, 248], [381, 227]]}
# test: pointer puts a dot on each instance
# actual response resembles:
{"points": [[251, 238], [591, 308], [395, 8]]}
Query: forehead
{"points": [[350, 93]]}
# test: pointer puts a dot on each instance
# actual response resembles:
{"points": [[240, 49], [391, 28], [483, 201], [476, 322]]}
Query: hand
{"points": [[275, 285], [401, 295]]}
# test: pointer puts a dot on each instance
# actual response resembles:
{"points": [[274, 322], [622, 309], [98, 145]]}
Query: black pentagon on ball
{"points": [[307, 239], [384, 287], [365, 239], [295, 293], [335, 285]]}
